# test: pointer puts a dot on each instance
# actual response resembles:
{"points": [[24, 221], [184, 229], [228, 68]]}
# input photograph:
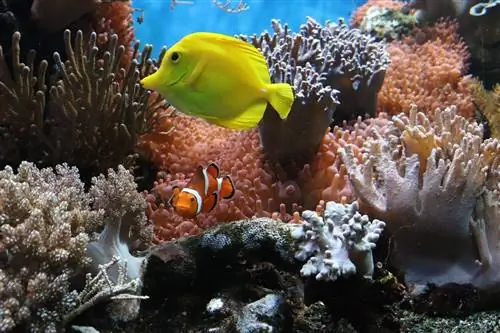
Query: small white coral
{"points": [[338, 243]]}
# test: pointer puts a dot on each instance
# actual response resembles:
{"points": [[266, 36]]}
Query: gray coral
{"points": [[288, 55]]}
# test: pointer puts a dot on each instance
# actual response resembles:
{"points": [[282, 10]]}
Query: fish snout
{"points": [[186, 209], [150, 81]]}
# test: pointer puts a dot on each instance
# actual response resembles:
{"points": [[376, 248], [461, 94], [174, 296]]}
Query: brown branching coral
{"points": [[92, 116], [431, 207]]}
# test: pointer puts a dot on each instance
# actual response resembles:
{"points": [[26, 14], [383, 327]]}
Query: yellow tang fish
{"points": [[221, 79]]}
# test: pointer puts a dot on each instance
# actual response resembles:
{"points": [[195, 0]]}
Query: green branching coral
{"points": [[90, 117]]}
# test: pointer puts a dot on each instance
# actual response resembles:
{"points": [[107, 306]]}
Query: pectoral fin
{"points": [[193, 78], [210, 202]]}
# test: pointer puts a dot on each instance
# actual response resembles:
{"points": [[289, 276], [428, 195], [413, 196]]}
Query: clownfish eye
{"points": [[175, 57], [192, 199]]}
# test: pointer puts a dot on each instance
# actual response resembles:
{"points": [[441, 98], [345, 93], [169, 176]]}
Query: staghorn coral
{"points": [[428, 68], [433, 208], [46, 223], [92, 116], [488, 102], [338, 242]]}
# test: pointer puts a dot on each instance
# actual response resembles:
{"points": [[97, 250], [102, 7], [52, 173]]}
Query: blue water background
{"points": [[164, 27]]}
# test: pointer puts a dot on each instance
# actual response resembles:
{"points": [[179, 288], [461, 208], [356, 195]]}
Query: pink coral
{"points": [[181, 143], [191, 142]]}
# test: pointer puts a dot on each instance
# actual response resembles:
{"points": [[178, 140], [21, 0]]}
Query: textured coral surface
{"points": [[428, 68]]}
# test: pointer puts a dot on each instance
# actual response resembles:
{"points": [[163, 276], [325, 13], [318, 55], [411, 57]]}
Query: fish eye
{"points": [[192, 199], [175, 57]]}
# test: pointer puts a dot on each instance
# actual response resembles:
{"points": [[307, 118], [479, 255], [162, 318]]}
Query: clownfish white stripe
{"points": [[195, 193], [219, 184], [205, 180]]}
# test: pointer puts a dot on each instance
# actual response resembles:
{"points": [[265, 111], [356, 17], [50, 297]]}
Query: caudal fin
{"points": [[281, 98], [227, 189]]}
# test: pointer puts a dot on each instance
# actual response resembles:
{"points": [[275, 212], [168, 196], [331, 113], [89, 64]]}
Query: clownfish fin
{"points": [[210, 202], [175, 192], [227, 189], [213, 170]]}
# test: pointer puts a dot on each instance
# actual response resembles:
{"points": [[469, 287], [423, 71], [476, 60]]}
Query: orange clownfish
{"points": [[202, 193]]}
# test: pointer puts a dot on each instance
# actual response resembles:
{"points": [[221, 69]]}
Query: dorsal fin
{"points": [[213, 170], [235, 47]]}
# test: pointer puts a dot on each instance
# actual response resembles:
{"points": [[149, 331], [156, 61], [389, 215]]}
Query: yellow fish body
{"points": [[221, 79]]}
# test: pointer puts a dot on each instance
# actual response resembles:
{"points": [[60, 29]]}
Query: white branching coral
{"points": [[47, 223], [339, 243], [436, 185]]}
